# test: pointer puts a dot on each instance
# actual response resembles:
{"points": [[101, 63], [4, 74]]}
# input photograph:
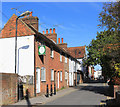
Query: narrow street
{"points": [[86, 94]]}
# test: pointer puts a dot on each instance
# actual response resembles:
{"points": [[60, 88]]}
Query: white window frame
{"points": [[43, 74], [52, 75], [51, 53], [65, 58], [60, 75], [60, 57], [66, 75]]}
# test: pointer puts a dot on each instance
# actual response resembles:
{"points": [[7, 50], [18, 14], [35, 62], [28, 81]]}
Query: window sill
{"points": [[43, 80], [52, 57]]}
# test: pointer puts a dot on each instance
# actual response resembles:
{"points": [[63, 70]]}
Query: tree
{"points": [[105, 49]]}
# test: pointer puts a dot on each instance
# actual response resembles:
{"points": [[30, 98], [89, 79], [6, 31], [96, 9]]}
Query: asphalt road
{"points": [[86, 94]]}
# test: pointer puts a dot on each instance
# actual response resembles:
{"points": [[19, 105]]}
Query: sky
{"points": [[75, 22]]}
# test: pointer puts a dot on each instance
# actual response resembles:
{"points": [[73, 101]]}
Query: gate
{"points": [[20, 89]]}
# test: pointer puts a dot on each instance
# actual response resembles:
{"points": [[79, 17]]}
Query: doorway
{"points": [[58, 80], [37, 80]]}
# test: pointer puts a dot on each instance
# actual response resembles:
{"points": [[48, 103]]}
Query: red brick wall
{"points": [[51, 63], [30, 88], [9, 29], [9, 88]]}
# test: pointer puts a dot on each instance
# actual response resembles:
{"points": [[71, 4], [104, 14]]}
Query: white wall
{"points": [[90, 71], [81, 66], [71, 72], [97, 74], [25, 57]]}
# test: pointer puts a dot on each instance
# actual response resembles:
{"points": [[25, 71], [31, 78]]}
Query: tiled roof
{"points": [[77, 52], [25, 29], [9, 29]]}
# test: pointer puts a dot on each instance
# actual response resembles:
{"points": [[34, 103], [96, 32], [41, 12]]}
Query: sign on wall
{"points": [[41, 50]]}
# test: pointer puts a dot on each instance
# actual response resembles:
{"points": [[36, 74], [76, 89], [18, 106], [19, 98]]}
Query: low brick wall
{"points": [[8, 90], [30, 89]]}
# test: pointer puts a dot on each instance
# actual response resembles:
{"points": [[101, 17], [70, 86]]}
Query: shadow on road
{"points": [[96, 88], [111, 102]]}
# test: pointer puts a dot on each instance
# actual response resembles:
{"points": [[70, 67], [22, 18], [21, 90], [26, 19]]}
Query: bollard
{"points": [[47, 93], [54, 89], [51, 90]]}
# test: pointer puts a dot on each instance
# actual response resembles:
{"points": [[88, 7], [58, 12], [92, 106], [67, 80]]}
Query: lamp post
{"points": [[23, 14]]}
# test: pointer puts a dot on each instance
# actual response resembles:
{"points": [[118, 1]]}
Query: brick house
{"points": [[35, 70], [79, 53]]}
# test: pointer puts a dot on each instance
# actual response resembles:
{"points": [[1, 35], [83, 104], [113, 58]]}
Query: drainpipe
{"points": [[34, 69]]}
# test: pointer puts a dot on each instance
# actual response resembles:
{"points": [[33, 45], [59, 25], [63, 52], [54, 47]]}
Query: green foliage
{"points": [[105, 49]]}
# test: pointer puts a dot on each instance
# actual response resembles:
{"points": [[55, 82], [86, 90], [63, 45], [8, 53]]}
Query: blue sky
{"points": [[77, 21]]}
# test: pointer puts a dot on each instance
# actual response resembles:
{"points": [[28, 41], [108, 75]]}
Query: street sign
{"points": [[41, 50]]}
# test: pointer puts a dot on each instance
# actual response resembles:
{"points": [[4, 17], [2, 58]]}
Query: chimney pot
{"points": [[53, 30], [50, 30], [43, 32], [58, 40], [30, 14], [46, 31], [62, 40]]}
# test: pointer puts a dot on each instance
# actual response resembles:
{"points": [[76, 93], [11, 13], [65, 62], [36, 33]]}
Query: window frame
{"points": [[65, 58], [61, 76], [51, 53], [52, 74], [66, 75], [60, 57], [43, 73]]}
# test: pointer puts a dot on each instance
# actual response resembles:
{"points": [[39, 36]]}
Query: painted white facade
{"points": [[97, 74], [25, 55], [90, 71], [72, 70]]}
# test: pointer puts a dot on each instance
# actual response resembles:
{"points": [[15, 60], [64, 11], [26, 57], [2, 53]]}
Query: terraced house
{"points": [[42, 62]]}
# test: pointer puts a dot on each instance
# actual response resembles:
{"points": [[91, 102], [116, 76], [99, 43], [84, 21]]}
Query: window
{"points": [[43, 74], [52, 75], [51, 53], [60, 75], [66, 75], [65, 59], [60, 57]]}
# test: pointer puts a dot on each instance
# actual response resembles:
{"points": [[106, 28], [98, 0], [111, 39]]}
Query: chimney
{"points": [[53, 30], [58, 40], [43, 32], [50, 30], [31, 20], [30, 14], [52, 36], [62, 40], [63, 45], [46, 31]]}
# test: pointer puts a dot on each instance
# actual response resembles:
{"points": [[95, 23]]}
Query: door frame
{"points": [[38, 81], [58, 80]]}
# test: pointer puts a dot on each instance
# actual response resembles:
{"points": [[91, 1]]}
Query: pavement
{"points": [[41, 100], [83, 94]]}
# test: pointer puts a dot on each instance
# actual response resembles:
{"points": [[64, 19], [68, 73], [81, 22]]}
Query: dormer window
{"points": [[79, 52]]}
